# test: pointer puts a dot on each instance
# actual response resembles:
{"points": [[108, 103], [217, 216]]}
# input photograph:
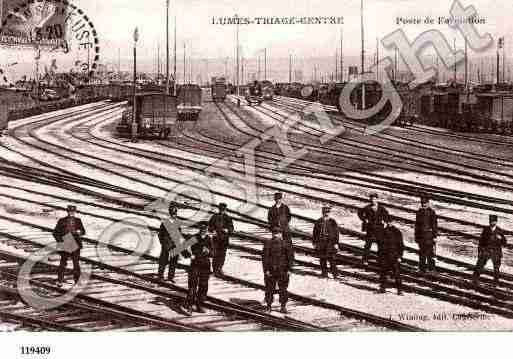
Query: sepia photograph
{"points": [[171, 166]]}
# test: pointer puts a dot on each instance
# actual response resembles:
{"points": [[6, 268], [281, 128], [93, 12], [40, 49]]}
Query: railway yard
{"points": [[75, 156]]}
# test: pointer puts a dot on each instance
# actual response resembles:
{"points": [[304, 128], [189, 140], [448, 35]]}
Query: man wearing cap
{"points": [[221, 224], [69, 231], [279, 214], [200, 269], [390, 255], [426, 231], [372, 217], [325, 241], [277, 261], [167, 244], [490, 247]]}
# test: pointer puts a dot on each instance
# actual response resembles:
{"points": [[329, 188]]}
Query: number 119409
{"points": [[35, 350]]}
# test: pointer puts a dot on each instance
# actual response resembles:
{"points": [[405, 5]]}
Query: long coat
{"points": [[277, 256], [326, 235], [165, 238], [393, 245], [219, 223], [201, 259], [279, 217], [69, 225], [491, 242], [373, 221], [426, 226]]}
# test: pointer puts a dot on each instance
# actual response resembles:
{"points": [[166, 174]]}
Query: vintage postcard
{"points": [[241, 166]]}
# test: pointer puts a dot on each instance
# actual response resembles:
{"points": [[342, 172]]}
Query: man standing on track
{"points": [[277, 261], [372, 217], [426, 231], [325, 241], [390, 255], [279, 214], [490, 247], [222, 225], [69, 231], [167, 244], [200, 269]]}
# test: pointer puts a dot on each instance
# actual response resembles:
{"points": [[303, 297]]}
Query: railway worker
{"points": [[279, 214], [372, 217], [167, 245], [490, 247], [390, 255], [325, 240], [221, 224], [200, 269], [426, 231], [68, 232], [277, 261]]}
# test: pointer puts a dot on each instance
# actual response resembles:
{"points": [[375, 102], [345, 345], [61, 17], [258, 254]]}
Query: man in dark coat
{"points": [[490, 247], [200, 269], [426, 231], [325, 241], [390, 255], [221, 224], [69, 231], [372, 217], [277, 261], [279, 214], [167, 244]]}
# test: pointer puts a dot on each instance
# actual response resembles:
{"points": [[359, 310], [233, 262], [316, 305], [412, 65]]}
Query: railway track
{"points": [[295, 105], [252, 244], [155, 259], [428, 165], [80, 314]]}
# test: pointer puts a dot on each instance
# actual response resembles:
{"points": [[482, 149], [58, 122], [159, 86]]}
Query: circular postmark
{"points": [[42, 38]]}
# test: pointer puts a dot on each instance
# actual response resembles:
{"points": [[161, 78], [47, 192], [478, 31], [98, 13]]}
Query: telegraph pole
{"points": [[342, 55], [455, 67], [265, 64], [134, 122], [174, 65], [184, 65], [258, 77], [290, 68], [167, 47], [363, 55], [237, 55]]}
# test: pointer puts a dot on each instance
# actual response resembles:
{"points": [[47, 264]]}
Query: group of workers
{"points": [[210, 243]]}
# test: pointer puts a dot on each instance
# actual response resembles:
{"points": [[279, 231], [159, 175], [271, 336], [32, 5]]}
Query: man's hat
{"points": [[424, 198], [71, 208], [276, 230], [326, 209], [278, 195], [493, 218], [373, 195], [173, 207], [223, 206]]}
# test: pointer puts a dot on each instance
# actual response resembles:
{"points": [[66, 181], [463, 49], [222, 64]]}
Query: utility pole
{"points": [[258, 60], [290, 68], [167, 47], [237, 55], [377, 59], [363, 55], [174, 65], [466, 64], [184, 64], [134, 112], [336, 65], [455, 67], [265, 64], [342, 54], [119, 63], [158, 63]]}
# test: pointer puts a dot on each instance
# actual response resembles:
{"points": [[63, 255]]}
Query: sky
{"points": [[115, 21]]}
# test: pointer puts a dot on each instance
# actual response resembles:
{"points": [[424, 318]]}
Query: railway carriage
{"points": [[155, 116], [219, 89], [189, 102]]}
